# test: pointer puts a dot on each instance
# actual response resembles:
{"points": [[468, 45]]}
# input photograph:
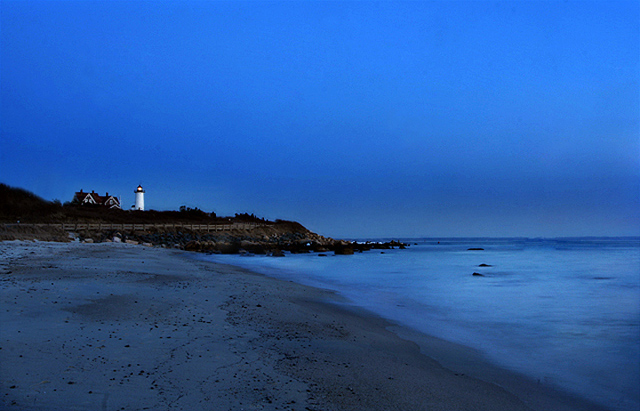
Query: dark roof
{"points": [[94, 198]]}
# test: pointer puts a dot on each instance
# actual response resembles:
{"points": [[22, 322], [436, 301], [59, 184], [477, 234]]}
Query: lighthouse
{"points": [[139, 199]]}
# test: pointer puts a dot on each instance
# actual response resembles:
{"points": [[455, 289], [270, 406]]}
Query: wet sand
{"points": [[122, 327]]}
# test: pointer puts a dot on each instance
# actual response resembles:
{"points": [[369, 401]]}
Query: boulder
{"points": [[277, 253], [207, 246], [193, 246], [228, 247], [478, 275]]}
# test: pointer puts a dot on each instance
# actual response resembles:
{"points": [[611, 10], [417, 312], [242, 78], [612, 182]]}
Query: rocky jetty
{"points": [[267, 240]]}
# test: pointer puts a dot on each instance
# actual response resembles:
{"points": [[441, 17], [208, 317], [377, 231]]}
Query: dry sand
{"points": [[121, 327]]}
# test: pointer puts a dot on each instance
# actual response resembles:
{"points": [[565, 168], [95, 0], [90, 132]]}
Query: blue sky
{"points": [[358, 119]]}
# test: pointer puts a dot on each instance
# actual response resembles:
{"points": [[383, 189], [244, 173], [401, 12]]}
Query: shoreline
{"points": [[107, 326]]}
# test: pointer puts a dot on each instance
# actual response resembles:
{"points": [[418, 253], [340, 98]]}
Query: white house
{"points": [[93, 198]]}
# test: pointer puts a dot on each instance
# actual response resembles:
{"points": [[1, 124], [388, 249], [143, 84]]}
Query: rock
{"points": [[343, 248], [361, 247], [193, 246], [88, 240], [277, 253], [485, 265], [228, 247], [478, 275], [253, 247], [343, 251], [475, 249], [206, 246]]}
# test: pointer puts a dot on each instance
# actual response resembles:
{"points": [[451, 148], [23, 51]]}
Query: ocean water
{"points": [[565, 312]]}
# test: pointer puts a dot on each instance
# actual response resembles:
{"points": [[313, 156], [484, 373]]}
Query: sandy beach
{"points": [[122, 327]]}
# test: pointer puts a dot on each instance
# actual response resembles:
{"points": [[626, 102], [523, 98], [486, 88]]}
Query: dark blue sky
{"points": [[357, 119]]}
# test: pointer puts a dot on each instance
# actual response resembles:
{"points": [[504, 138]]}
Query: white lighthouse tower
{"points": [[139, 199]]}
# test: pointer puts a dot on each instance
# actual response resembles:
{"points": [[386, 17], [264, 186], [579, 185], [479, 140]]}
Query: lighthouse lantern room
{"points": [[139, 198]]}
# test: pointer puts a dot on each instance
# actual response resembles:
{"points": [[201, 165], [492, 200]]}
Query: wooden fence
{"points": [[144, 227]]}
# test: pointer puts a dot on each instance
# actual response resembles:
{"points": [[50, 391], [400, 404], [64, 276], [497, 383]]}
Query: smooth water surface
{"points": [[565, 312]]}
